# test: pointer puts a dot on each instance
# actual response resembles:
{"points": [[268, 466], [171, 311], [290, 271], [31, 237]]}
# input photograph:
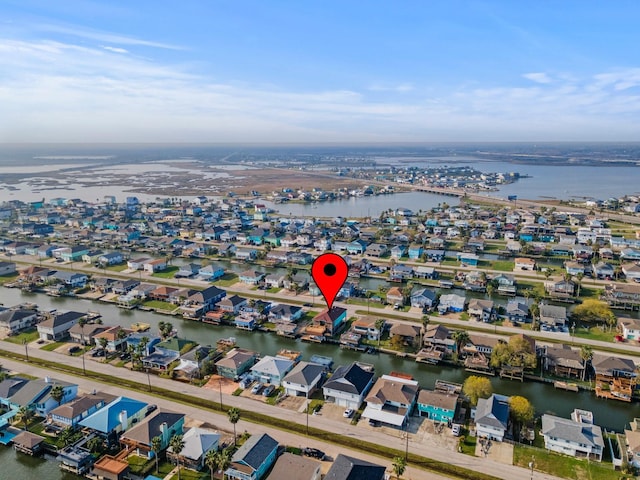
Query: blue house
{"points": [[415, 251], [245, 322], [437, 406], [357, 247], [117, 416], [272, 369], [211, 272], [470, 259], [253, 459], [135, 339]]}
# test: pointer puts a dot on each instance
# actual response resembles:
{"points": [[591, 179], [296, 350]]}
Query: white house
{"points": [[14, 320], [577, 436], [272, 369], [492, 417], [303, 379], [348, 386], [629, 328], [391, 400], [57, 327]]}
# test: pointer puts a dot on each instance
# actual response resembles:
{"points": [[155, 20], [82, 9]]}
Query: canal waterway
{"points": [[609, 414]]}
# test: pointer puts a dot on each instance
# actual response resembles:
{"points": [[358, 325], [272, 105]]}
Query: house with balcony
{"points": [[629, 328], [481, 310], [576, 437], [492, 417], [438, 405], [348, 386], [236, 362], [423, 298], [621, 295], [253, 459], [201, 302], [211, 272], [563, 289], [553, 315], [57, 326], [197, 442], [161, 423], [451, 302], [251, 277], [332, 320], [366, 326], [272, 370], [303, 379], [14, 320], [564, 362], [71, 413], [232, 304], [117, 416], [391, 400]]}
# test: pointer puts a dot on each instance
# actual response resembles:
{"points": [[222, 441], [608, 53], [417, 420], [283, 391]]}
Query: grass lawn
{"points": [[273, 290], [117, 268], [138, 464], [164, 468], [469, 445], [561, 465], [590, 292], [186, 474], [168, 272], [363, 301], [159, 305], [28, 336], [502, 265], [8, 278], [595, 333], [227, 280], [52, 346]]}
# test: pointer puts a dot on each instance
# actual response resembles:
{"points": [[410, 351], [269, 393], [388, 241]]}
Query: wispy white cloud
{"points": [[115, 49], [60, 91], [539, 77]]}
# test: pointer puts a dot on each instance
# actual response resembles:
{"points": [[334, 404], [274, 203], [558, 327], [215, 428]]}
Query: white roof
{"points": [[198, 441]]}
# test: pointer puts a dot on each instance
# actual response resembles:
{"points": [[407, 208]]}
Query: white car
{"points": [[455, 430], [348, 413]]}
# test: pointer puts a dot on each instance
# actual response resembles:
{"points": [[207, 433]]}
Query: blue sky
{"points": [[319, 71]]}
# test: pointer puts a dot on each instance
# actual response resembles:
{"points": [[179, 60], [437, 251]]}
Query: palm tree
{"points": [[461, 337], [399, 466], [66, 436], [95, 444], [121, 335], [161, 325], [586, 354], [103, 345], [234, 415], [156, 446], [25, 414], [379, 326], [211, 461], [82, 322], [57, 393], [579, 278], [177, 445], [224, 460]]}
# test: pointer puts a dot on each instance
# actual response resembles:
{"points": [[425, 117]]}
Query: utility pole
{"points": [[220, 388], [26, 350], [532, 464]]}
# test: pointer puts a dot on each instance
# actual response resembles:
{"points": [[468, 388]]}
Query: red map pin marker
{"points": [[329, 271]]}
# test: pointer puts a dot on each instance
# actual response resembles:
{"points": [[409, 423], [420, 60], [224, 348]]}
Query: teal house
{"points": [[253, 459], [437, 406]]}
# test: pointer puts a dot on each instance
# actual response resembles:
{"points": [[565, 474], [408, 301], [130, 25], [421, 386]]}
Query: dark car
{"points": [[74, 349], [313, 453], [374, 423], [125, 356]]}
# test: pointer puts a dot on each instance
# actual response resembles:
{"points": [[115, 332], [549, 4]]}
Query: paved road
{"points": [[325, 423]]}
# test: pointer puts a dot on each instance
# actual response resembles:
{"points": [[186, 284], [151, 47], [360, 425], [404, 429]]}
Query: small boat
{"points": [[140, 327], [227, 342]]}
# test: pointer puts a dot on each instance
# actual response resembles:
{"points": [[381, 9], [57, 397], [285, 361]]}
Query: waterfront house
{"points": [[92, 256], [479, 343], [232, 304], [348, 386], [622, 295], [303, 379], [438, 337], [437, 405], [395, 296], [201, 302], [603, 270], [116, 338], [272, 369], [122, 287], [73, 254], [70, 279], [631, 271], [71, 413], [400, 272], [415, 251], [391, 400], [251, 277], [451, 302], [295, 467], [253, 459], [408, 334], [115, 417], [469, 259], [57, 326], [7, 268], [398, 251], [553, 315], [632, 437], [577, 437], [366, 326], [563, 289], [332, 320], [36, 395], [615, 377], [285, 312], [136, 339], [137, 263], [236, 362], [211, 272], [14, 320], [161, 423], [480, 310], [423, 298], [492, 417], [629, 328], [246, 254], [506, 284], [524, 264], [517, 311], [188, 270], [111, 258], [197, 442], [563, 362], [351, 468], [84, 334], [376, 250], [162, 293]]}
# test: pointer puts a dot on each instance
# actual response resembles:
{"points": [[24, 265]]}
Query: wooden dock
{"points": [[570, 387]]}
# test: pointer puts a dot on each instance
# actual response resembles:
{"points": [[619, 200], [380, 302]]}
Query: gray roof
{"points": [[565, 357], [151, 426], [62, 319], [575, 432], [609, 365], [304, 373], [8, 316], [553, 311], [350, 468], [438, 399], [493, 411], [273, 366], [255, 450], [350, 379], [293, 467], [197, 442], [9, 386]]}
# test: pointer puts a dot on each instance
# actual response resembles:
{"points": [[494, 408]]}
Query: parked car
{"points": [[245, 382], [268, 390], [256, 388], [455, 430], [74, 349], [348, 413], [374, 423], [313, 453]]}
